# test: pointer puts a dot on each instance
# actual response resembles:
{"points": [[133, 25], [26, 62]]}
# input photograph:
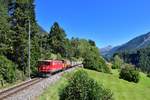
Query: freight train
{"points": [[48, 67]]}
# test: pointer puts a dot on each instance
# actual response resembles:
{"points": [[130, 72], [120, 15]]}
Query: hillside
{"points": [[136, 43], [122, 90], [139, 42]]}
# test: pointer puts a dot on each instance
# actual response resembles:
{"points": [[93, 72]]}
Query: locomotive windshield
{"points": [[44, 63]]}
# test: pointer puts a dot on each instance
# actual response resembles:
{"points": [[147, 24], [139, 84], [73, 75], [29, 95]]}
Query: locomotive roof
{"points": [[45, 60], [48, 60]]}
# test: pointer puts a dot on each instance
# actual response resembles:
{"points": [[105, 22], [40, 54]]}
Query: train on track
{"points": [[45, 69], [48, 67]]}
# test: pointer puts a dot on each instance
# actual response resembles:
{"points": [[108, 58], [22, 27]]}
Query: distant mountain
{"points": [[139, 42], [105, 50], [142, 41]]}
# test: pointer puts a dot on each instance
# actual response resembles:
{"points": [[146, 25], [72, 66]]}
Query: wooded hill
{"points": [[14, 26]]}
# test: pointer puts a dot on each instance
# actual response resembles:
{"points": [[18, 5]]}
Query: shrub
{"points": [[91, 63], [96, 63], [81, 87], [117, 62], [148, 75], [129, 73], [7, 69], [20, 75], [103, 66]]}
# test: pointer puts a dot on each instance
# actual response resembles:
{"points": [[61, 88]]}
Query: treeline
{"points": [[14, 19], [14, 25], [139, 58]]}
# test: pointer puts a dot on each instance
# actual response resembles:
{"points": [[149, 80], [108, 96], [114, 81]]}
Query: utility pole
{"points": [[29, 40], [41, 46]]}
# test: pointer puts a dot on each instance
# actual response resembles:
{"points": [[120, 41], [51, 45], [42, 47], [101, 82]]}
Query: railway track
{"points": [[16, 89], [11, 91]]}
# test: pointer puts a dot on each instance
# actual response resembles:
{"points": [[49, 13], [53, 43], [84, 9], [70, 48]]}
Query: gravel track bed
{"points": [[35, 90]]}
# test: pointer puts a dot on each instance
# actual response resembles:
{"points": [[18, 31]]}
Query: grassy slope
{"points": [[52, 92], [122, 90]]}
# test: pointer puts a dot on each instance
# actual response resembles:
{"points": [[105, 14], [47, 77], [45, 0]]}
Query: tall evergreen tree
{"points": [[21, 11], [4, 27], [57, 39]]}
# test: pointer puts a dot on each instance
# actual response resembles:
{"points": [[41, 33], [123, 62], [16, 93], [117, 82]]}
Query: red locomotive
{"points": [[49, 66], [46, 67]]}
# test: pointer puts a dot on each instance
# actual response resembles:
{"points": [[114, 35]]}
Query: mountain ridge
{"points": [[139, 42]]}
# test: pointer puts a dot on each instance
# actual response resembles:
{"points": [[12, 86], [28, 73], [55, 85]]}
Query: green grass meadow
{"points": [[122, 90]]}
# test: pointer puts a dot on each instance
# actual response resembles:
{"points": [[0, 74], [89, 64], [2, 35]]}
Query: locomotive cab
{"points": [[43, 66], [46, 67]]}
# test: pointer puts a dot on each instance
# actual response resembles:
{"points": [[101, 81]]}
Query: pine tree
{"points": [[57, 39], [21, 11], [4, 28]]}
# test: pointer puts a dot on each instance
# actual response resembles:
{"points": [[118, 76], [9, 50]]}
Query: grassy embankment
{"points": [[122, 89]]}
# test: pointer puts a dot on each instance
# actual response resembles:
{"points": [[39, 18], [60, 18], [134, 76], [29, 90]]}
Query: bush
{"points": [[7, 69], [129, 73], [96, 63], [103, 66], [20, 75], [81, 87], [117, 62], [90, 63], [148, 75]]}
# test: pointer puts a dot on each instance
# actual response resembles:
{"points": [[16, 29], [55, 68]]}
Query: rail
{"points": [[11, 91], [7, 93]]}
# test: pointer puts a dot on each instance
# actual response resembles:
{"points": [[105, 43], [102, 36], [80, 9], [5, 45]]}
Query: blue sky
{"points": [[107, 22]]}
